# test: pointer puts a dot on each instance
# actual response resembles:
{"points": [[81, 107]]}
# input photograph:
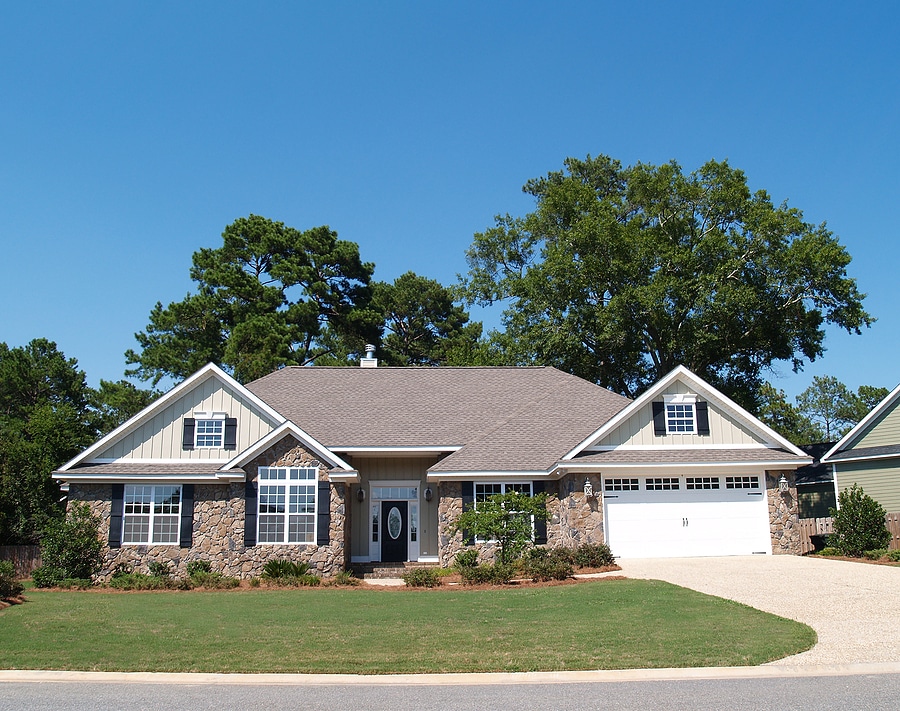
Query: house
{"points": [[815, 483], [869, 454], [336, 466]]}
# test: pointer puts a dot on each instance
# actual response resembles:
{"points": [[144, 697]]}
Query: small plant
{"points": [[70, 548], [894, 556], [198, 566], [9, 586], [122, 569], [254, 582], [345, 577], [160, 569], [858, 523], [505, 518], [539, 564], [828, 551], [211, 581], [488, 574], [593, 555], [466, 559], [421, 578], [877, 554], [277, 569]]}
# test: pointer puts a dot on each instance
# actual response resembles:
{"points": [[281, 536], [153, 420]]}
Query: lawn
{"points": [[606, 624]]}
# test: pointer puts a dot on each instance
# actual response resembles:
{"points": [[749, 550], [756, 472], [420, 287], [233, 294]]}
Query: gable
{"points": [[882, 431]]}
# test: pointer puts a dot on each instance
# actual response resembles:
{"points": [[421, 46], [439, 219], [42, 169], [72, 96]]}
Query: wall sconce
{"points": [[429, 494], [588, 488], [360, 494], [783, 485]]}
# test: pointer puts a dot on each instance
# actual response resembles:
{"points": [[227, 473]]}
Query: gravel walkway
{"points": [[854, 607]]}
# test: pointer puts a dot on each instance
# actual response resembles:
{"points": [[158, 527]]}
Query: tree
{"points": [[45, 420], [505, 518], [422, 325], [859, 524], [833, 408], [263, 300], [774, 410], [621, 274], [115, 402], [71, 548]]}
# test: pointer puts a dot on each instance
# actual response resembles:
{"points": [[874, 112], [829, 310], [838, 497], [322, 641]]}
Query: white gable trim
{"points": [[861, 426], [208, 371], [283, 430], [710, 394]]}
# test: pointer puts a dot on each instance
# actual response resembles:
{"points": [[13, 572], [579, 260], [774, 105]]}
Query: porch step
{"points": [[369, 571]]}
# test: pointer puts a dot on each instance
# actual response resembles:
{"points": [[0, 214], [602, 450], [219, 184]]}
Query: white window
{"points": [[209, 432], [741, 482], [680, 414], [287, 505], [484, 491], [151, 514], [662, 484], [621, 485], [702, 482]]}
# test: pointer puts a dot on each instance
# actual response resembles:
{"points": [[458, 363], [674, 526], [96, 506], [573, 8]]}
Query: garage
{"points": [[683, 516]]}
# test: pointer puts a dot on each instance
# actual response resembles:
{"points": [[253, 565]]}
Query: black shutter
{"points": [[250, 506], [186, 539], [659, 418], [702, 409], [115, 518], [230, 433], [468, 501], [187, 434], [323, 514], [540, 525]]}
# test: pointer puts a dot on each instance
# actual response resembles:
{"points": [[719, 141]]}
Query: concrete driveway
{"points": [[854, 607]]}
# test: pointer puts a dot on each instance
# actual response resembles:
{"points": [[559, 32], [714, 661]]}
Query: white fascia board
{"points": [[487, 475], [374, 451], [345, 477], [862, 458], [149, 478], [860, 427], [709, 393], [288, 428], [207, 371], [774, 464]]}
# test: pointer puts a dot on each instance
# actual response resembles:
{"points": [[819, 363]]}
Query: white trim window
{"points": [[483, 491], [681, 415], [209, 430], [287, 505], [151, 514]]}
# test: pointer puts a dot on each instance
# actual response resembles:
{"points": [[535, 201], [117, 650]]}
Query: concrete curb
{"points": [[573, 677]]}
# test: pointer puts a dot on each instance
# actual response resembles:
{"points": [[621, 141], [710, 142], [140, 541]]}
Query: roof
{"points": [[696, 455], [817, 472], [839, 451], [491, 419]]}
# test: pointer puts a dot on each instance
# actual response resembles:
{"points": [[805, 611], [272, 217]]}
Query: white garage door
{"points": [[663, 517]]}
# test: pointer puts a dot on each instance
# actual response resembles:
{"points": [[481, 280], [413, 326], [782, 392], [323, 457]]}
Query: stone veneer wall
{"points": [[219, 526], [784, 514]]}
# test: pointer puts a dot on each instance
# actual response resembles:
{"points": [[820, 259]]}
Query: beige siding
{"points": [[637, 430], [373, 469], [160, 437], [885, 430], [880, 479]]}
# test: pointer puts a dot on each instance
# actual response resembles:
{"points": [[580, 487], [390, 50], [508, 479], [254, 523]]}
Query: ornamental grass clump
{"points": [[290, 574]]}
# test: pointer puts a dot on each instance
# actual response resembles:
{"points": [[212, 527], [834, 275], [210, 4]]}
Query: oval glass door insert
{"points": [[395, 523]]}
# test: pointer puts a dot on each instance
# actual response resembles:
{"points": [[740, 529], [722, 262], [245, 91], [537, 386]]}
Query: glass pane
{"points": [[136, 529], [271, 529], [301, 529], [166, 499], [302, 499], [165, 529], [271, 499], [394, 523]]}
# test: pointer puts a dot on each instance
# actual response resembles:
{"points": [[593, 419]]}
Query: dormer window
{"points": [[209, 430], [680, 414], [209, 433]]}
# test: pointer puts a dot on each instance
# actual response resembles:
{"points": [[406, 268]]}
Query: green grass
{"points": [[613, 624]]}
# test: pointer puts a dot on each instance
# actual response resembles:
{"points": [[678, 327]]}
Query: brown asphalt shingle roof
{"points": [[505, 419], [686, 456]]}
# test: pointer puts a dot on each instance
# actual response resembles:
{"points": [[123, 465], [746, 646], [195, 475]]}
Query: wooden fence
{"points": [[24, 558], [815, 527]]}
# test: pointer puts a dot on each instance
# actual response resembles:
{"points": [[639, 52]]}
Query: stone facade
{"points": [[574, 519], [218, 534], [784, 514]]}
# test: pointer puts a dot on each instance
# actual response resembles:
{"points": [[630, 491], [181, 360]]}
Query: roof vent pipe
{"points": [[370, 361]]}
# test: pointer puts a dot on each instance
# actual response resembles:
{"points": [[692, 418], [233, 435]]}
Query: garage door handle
{"points": [[754, 493], [684, 522], [610, 496]]}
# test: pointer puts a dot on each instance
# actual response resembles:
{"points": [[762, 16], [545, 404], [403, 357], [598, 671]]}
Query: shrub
{"points": [[593, 555], [9, 586], [422, 578], [345, 577], [198, 566], [254, 582], [541, 565], [160, 569], [828, 550], [212, 581], [122, 569], [506, 519], [894, 556], [858, 523], [70, 548], [877, 554], [277, 569], [466, 559], [495, 574]]}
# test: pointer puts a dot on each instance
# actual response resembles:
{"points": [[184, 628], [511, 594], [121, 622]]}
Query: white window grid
{"points": [[151, 514], [680, 418], [663, 484], [484, 490], [287, 505], [701, 482], [741, 482], [209, 433], [621, 485]]}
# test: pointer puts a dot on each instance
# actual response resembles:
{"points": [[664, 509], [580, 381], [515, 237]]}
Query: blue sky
{"points": [[133, 133]]}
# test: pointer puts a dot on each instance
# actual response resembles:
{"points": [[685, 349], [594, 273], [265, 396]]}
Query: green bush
{"points": [[877, 554], [593, 555], [75, 583], [212, 581], [198, 566], [160, 569], [894, 556], [142, 581], [422, 578], [539, 564], [70, 548], [122, 569], [466, 559], [490, 574], [828, 550], [277, 569], [9, 586], [344, 577], [858, 523]]}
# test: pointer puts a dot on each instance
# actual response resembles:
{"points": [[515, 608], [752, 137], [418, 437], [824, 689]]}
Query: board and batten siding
{"points": [[161, 436], [375, 469], [884, 431], [637, 430], [879, 478]]}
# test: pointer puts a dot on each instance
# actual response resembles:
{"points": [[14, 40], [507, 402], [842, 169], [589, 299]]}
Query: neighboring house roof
{"points": [[489, 419], [817, 472], [845, 449]]}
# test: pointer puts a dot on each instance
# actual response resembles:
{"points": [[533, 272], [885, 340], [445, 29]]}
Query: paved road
{"points": [[853, 607], [839, 693]]}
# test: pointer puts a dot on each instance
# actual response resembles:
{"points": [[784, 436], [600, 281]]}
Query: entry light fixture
{"points": [[360, 494], [429, 494], [783, 485], [588, 488]]}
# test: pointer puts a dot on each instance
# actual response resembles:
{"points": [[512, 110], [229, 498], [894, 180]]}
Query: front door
{"points": [[394, 536]]}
